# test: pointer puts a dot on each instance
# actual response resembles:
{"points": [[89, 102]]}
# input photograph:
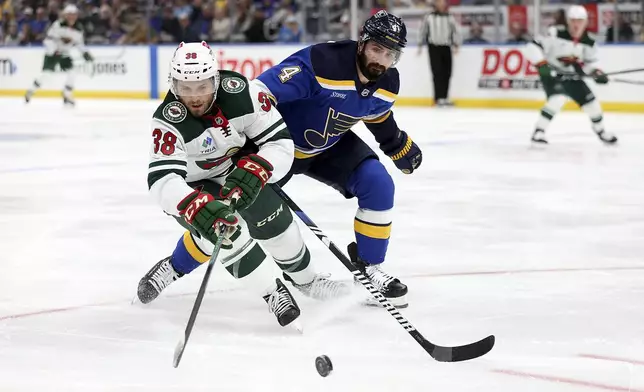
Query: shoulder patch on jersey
{"points": [[233, 96], [233, 85], [175, 112]]}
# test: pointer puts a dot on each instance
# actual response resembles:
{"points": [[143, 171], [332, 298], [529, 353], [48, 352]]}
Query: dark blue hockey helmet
{"points": [[385, 29]]}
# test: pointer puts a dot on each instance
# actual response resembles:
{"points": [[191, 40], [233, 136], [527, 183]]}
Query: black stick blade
{"points": [[459, 353]]}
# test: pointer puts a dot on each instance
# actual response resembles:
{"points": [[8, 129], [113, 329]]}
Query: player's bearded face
{"points": [[375, 59], [196, 95]]}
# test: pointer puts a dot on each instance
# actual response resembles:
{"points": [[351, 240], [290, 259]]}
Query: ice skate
{"points": [[390, 287], [539, 137], [321, 287], [156, 280], [607, 137], [282, 304]]}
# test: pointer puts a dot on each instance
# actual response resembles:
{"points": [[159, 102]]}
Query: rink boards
{"points": [[483, 76]]}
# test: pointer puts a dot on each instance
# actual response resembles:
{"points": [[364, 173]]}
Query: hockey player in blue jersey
{"points": [[321, 92]]}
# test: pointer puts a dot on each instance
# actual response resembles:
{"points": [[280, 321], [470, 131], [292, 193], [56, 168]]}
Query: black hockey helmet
{"points": [[385, 29]]}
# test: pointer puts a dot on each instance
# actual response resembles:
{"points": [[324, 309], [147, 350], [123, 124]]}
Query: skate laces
{"points": [[324, 288], [379, 277], [163, 276], [279, 301]]}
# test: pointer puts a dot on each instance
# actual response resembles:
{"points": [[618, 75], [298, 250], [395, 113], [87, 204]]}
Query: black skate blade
{"points": [[288, 317], [459, 353]]}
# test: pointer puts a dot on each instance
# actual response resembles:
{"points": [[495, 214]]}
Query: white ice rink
{"points": [[543, 248]]}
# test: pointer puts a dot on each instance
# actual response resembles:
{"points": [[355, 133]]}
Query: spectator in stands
{"points": [[12, 38], [559, 18], [6, 12], [97, 26], [476, 34], [53, 8], [182, 8], [186, 32], [39, 24], [222, 25], [25, 37], [115, 34], [26, 17], [207, 15], [142, 33], [257, 30], [291, 32], [517, 34], [242, 21], [624, 32], [169, 25]]}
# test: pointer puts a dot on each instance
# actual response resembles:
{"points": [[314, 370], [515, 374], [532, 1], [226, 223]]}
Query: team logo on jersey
{"points": [[337, 123], [219, 120], [175, 112], [212, 163], [364, 92], [233, 85]]}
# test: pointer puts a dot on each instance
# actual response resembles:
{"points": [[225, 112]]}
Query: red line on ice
{"points": [[565, 380], [77, 307], [525, 271], [615, 359]]}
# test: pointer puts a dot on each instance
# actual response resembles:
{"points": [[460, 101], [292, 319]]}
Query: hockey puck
{"points": [[323, 365]]}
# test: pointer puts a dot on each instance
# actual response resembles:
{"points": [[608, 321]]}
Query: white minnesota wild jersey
{"points": [[185, 148], [62, 37], [564, 53]]}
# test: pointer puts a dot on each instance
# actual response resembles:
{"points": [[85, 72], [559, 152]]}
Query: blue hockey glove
{"points": [[404, 152]]}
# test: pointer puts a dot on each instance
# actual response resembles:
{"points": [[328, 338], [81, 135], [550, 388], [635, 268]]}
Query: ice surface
{"points": [[541, 247]]}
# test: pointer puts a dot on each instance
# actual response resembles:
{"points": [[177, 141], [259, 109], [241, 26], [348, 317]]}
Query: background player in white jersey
{"points": [[561, 57], [63, 36], [216, 135]]}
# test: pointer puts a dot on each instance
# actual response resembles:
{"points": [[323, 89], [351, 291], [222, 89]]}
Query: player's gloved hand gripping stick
{"points": [[215, 218], [247, 179]]}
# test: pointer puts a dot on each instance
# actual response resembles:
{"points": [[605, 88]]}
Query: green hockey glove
{"points": [[599, 77], [545, 71], [247, 179], [204, 213]]}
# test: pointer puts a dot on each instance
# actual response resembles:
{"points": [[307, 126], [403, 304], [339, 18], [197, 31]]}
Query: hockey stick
{"points": [[439, 353], [625, 71], [625, 81], [181, 346]]}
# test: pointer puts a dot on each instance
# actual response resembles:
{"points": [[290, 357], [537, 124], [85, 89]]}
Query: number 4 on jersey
{"points": [[288, 72]]}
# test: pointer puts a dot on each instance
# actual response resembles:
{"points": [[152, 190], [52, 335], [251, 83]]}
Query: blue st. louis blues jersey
{"points": [[320, 97]]}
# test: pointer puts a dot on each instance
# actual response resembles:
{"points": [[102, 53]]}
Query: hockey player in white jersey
{"points": [[562, 57], [62, 37], [214, 136]]}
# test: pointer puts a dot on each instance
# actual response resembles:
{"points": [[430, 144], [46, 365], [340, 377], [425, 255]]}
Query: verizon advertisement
{"points": [[249, 61]]}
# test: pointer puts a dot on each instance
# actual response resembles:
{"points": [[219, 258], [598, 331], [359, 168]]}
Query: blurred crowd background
{"points": [[24, 22]]}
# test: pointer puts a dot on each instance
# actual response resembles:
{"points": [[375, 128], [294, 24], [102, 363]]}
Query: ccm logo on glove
{"points": [[195, 205], [255, 169]]}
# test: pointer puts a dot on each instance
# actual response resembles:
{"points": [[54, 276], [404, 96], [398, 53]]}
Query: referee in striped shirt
{"points": [[441, 35]]}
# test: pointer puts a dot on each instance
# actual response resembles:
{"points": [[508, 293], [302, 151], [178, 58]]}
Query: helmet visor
{"points": [[375, 50], [194, 88]]}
